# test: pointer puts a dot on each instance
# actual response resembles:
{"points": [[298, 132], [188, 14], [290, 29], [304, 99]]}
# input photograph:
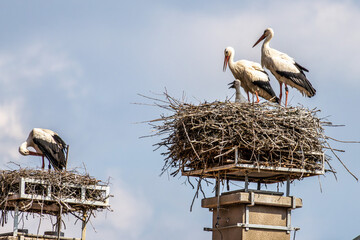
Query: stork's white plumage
{"points": [[46, 144], [238, 96], [284, 68], [252, 76]]}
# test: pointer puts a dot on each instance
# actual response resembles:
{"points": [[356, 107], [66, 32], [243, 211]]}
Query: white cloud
{"points": [[11, 129], [131, 213], [31, 65]]}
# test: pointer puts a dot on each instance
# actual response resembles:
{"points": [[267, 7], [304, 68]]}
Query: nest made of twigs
{"points": [[206, 135], [62, 185]]}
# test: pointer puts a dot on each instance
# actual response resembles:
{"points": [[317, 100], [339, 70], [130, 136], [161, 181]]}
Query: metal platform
{"points": [[25, 236], [255, 172], [44, 199]]}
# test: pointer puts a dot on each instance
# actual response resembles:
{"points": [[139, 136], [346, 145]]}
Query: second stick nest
{"points": [[206, 135]]}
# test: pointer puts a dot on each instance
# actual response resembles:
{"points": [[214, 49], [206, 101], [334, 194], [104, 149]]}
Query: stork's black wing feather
{"points": [[300, 67], [58, 139], [300, 80], [52, 151], [267, 87]]}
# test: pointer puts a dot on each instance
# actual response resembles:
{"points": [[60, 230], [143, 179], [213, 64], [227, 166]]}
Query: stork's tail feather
{"points": [[53, 152], [311, 91]]}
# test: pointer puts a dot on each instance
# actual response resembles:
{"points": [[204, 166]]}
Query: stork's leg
{"points": [[287, 93], [257, 97], [280, 96], [43, 162], [248, 96]]}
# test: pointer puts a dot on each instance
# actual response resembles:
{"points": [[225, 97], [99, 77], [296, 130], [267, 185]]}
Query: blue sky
{"points": [[76, 67]]}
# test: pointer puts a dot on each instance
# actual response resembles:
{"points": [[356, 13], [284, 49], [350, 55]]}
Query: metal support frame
{"points": [[217, 187], [67, 156], [16, 221], [255, 226], [236, 155], [288, 219], [288, 186], [247, 209], [246, 182], [48, 197], [58, 222], [83, 227], [58, 226], [247, 213]]}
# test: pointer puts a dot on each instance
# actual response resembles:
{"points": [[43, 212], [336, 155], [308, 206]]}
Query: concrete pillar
{"points": [[251, 216]]}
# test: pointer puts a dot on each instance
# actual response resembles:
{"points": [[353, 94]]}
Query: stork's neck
{"points": [[23, 149], [266, 44], [237, 95], [265, 50], [231, 61]]}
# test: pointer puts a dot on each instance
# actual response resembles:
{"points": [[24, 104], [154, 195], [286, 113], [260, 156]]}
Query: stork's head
{"points": [[23, 149], [227, 52], [267, 33], [235, 84]]}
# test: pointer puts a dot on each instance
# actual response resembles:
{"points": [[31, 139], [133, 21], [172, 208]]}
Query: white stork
{"points": [[47, 144], [284, 68], [238, 96], [252, 76]]}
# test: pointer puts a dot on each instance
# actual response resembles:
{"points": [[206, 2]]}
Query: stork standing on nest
{"points": [[252, 76], [284, 68], [46, 144]]}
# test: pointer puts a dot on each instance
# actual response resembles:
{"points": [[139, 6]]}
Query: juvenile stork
{"points": [[46, 144], [238, 96], [284, 68], [252, 76]]}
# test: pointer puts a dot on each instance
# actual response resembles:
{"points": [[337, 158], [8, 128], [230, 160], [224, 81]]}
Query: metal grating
{"points": [[48, 196]]}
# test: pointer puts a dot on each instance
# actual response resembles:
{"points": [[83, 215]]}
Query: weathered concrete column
{"points": [[251, 216]]}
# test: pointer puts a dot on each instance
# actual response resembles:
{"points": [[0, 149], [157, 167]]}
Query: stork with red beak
{"points": [[284, 68], [252, 76]]}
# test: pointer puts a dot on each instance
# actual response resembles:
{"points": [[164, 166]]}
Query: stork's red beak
{"points": [[226, 60], [260, 39], [35, 153]]}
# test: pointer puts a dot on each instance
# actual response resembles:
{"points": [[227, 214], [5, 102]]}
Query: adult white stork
{"points": [[252, 76], [238, 96], [47, 144], [284, 68]]}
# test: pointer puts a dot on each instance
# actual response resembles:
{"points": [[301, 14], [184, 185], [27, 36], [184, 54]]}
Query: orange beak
{"points": [[260, 39], [35, 153], [226, 60]]}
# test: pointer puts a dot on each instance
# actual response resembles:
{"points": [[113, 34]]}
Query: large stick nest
{"points": [[62, 185], [206, 135]]}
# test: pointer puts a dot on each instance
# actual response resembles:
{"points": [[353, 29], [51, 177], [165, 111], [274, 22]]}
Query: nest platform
{"points": [[28, 191], [51, 192], [258, 173], [262, 142]]}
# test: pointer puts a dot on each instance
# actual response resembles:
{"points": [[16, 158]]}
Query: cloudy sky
{"points": [[76, 67]]}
